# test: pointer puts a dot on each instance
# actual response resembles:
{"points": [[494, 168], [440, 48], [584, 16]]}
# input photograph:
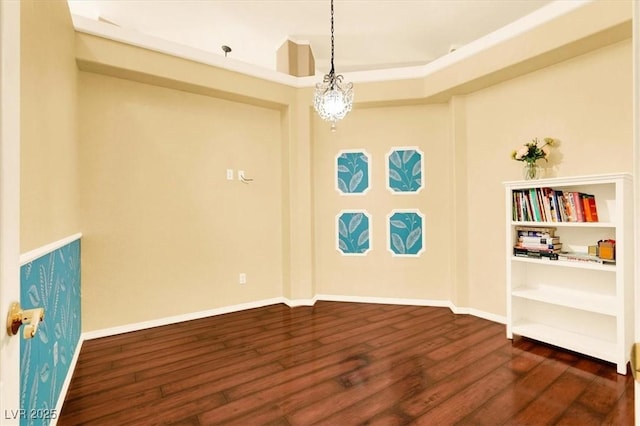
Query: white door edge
{"points": [[9, 206]]}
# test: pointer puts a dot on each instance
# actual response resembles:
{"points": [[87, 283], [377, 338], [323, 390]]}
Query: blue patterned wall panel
{"points": [[405, 170], [353, 172], [353, 232], [53, 283], [406, 233]]}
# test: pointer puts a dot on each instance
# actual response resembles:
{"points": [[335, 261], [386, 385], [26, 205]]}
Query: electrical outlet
{"points": [[229, 174], [243, 278]]}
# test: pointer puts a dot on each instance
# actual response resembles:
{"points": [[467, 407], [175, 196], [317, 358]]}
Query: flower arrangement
{"points": [[533, 151]]}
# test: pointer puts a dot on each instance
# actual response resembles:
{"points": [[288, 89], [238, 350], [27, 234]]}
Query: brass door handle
{"points": [[30, 318], [635, 361]]}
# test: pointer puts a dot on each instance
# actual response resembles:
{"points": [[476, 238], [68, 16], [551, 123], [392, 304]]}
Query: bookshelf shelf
{"points": [[601, 304], [566, 224], [568, 264], [582, 343], [582, 306]]}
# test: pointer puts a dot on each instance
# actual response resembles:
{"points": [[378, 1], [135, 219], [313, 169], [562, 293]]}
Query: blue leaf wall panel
{"points": [[405, 170], [52, 282], [406, 233], [353, 172], [353, 233]]}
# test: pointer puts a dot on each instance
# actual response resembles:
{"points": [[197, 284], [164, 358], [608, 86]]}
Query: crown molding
{"points": [[540, 17]]}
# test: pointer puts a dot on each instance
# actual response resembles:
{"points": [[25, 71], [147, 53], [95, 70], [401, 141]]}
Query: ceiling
{"points": [[369, 35]]}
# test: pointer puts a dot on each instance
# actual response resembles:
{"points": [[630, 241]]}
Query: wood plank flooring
{"points": [[340, 364]]}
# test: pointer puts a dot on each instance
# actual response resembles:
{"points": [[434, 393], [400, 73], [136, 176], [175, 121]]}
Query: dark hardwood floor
{"points": [[340, 364]]}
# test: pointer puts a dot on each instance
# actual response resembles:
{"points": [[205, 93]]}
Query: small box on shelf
{"points": [[607, 249]]}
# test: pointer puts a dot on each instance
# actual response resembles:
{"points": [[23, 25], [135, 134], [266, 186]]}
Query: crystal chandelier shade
{"points": [[333, 98]]}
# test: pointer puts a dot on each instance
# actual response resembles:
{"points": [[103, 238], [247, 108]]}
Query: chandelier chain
{"points": [[332, 40], [333, 98]]}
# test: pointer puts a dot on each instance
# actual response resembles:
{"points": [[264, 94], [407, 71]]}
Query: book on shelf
{"points": [[545, 196], [592, 209], [540, 239], [562, 210], [540, 246], [535, 254], [553, 205], [535, 231], [586, 208], [570, 207], [577, 201], [583, 257], [544, 241], [535, 205], [527, 205], [523, 210]]}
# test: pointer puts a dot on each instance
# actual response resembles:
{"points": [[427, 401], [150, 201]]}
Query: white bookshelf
{"points": [[581, 306]]}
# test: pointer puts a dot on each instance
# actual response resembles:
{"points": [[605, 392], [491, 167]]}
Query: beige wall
{"points": [[586, 103], [164, 232], [49, 158], [378, 274]]}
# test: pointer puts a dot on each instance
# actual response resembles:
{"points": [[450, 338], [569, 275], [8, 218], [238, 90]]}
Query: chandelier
{"points": [[333, 98]]}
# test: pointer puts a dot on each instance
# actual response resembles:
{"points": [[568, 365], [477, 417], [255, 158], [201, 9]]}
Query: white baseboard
{"points": [[385, 300], [415, 302], [180, 318], [67, 382], [486, 315], [292, 303]]}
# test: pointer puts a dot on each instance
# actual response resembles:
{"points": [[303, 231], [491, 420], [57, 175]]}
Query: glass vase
{"points": [[531, 171]]}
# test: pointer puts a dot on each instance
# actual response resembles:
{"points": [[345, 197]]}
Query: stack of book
{"points": [[537, 242], [549, 205]]}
